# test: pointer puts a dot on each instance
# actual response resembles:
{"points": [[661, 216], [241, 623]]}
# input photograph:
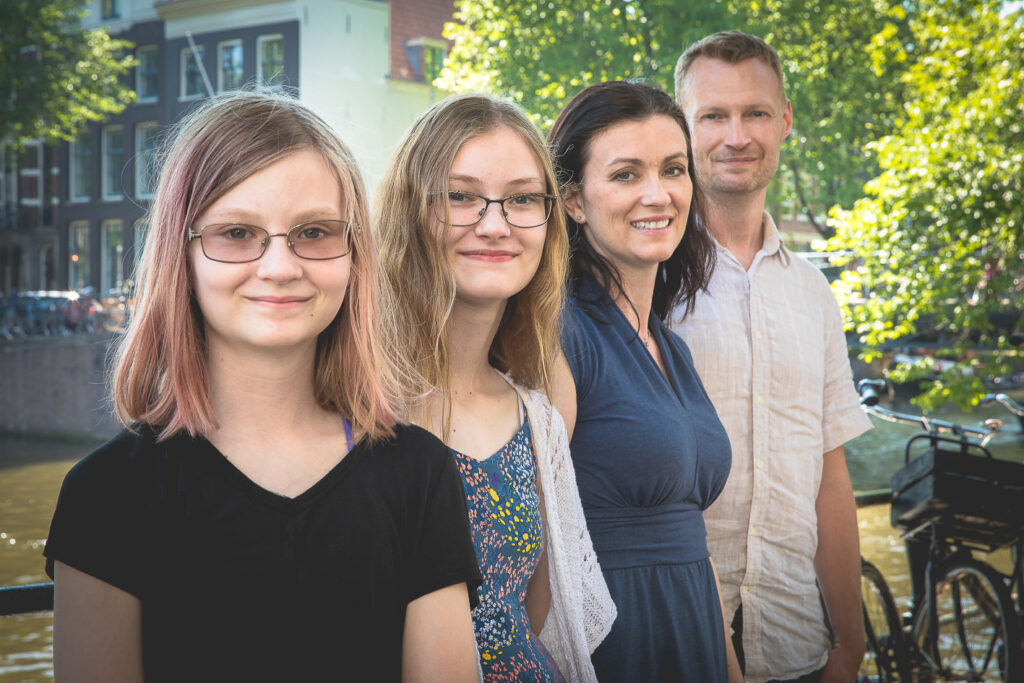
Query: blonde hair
{"points": [[160, 374], [731, 47], [419, 286]]}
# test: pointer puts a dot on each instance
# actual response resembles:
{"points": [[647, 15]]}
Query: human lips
{"points": [[489, 255], [278, 301]]}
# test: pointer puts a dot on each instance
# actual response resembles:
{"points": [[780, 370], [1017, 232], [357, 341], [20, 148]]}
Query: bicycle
{"points": [[950, 499]]}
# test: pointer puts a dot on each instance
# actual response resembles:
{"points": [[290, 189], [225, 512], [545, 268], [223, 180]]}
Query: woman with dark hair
{"points": [[649, 451]]}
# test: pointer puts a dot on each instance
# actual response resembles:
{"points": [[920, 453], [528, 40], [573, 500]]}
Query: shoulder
{"points": [[124, 456], [412, 449]]}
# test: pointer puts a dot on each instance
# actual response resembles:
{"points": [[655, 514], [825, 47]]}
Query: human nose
{"points": [[737, 134], [655, 193], [278, 262], [492, 223]]}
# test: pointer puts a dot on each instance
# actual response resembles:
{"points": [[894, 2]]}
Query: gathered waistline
{"points": [[630, 537]]}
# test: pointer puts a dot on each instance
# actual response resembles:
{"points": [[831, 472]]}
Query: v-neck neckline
{"points": [[332, 477], [629, 335]]}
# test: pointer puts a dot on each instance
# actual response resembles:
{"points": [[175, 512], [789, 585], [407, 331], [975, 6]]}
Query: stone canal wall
{"points": [[56, 386]]}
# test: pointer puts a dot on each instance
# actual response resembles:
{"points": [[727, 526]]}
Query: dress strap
{"points": [[348, 432]]}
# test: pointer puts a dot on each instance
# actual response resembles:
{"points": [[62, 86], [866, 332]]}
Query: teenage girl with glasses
{"points": [[474, 253], [262, 516]]}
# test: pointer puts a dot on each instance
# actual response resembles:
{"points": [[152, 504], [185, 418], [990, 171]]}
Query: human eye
{"points": [[675, 171], [523, 200], [459, 197], [233, 232], [318, 230], [624, 176]]}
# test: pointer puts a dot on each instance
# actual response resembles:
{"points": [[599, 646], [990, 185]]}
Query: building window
{"points": [[146, 81], [270, 61], [111, 9], [113, 161], [111, 256], [79, 178], [229, 66], [426, 55], [139, 232], [191, 74], [145, 154], [78, 254]]}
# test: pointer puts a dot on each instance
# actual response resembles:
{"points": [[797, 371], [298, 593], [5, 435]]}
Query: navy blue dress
{"points": [[650, 455]]}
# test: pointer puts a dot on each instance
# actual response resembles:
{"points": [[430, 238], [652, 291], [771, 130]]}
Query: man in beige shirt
{"points": [[767, 340]]}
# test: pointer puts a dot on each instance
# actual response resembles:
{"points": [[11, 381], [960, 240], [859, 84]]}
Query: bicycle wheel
{"points": [[885, 658], [977, 636]]}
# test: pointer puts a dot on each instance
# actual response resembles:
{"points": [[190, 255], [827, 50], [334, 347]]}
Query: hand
{"points": [[843, 664]]}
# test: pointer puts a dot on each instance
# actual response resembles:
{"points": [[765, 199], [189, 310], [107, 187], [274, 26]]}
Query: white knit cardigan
{"points": [[582, 610]]}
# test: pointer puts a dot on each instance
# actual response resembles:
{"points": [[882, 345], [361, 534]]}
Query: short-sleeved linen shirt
{"points": [[239, 583], [769, 346]]}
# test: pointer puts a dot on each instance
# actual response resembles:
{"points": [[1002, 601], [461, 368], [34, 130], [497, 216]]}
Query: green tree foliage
{"points": [[543, 52], [54, 75], [938, 240]]}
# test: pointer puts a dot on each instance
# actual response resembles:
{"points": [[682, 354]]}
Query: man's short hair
{"points": [[731, 47]]}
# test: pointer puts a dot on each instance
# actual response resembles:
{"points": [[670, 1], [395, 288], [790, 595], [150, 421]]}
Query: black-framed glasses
{"points": [[527, 210], [241, 243]]}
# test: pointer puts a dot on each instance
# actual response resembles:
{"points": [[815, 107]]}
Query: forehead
{"points": [[499, 151], [659, 135], [714, 82]]}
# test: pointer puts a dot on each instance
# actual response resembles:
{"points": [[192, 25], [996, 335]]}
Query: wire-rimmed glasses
{"points": [[240, 243], [526, 210]]}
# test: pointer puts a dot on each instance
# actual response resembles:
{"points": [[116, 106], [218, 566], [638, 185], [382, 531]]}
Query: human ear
{"points": [[573, 200]]}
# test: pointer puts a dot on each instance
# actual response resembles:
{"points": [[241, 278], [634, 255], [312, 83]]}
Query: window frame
{"points": [[236, 42], [140, 167], [139, 78], [105, 224], [185, 59], [116, 192], [75, 193], [260, 42], [73, 230]]}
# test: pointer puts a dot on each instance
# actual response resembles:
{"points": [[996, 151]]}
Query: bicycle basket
{"points": [[970, 497]]}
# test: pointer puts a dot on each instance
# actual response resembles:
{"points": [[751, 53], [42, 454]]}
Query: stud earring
{"points": [[579, 218]]}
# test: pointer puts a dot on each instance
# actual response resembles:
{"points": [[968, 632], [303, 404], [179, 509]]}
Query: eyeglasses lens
{"points": [[522, 210], [238, 243]]}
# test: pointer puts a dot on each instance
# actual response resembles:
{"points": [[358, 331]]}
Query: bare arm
{"points": [[732, 662], [837, 564], [438, 641], [97, 629], [563, 393], [538, 594], [538, 590]]}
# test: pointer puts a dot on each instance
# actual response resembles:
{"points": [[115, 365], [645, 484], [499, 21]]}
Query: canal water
{"points": [[31, 470]]}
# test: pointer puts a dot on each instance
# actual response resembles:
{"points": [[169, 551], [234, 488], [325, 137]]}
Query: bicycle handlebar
{"points": [[1010, 404], [868, 389]]}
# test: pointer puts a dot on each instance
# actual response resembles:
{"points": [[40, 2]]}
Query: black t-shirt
{"points": [[238, 583]]}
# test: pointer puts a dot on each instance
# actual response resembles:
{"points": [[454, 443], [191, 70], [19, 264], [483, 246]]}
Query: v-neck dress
{"points": [[650, 455], [508, 534], [239, 583]]}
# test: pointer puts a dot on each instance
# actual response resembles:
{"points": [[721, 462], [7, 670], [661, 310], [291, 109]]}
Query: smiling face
{"points": [[738, 116], [493, 260], [635, 195], [279, 300]]}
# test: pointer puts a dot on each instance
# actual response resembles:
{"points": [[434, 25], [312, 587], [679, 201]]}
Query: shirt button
{"points": [[758, 334], [744, 590], [760, 400], [753, 530], [759, 463]]}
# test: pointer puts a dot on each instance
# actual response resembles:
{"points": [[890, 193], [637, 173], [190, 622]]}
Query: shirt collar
{"points": [[771, 246]]}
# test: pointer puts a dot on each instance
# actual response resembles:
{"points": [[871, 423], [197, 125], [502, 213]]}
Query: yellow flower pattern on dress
{"points": [[508, 534]]}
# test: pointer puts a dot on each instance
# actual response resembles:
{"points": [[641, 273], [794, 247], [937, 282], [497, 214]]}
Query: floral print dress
{"points": [[508, 534]]}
